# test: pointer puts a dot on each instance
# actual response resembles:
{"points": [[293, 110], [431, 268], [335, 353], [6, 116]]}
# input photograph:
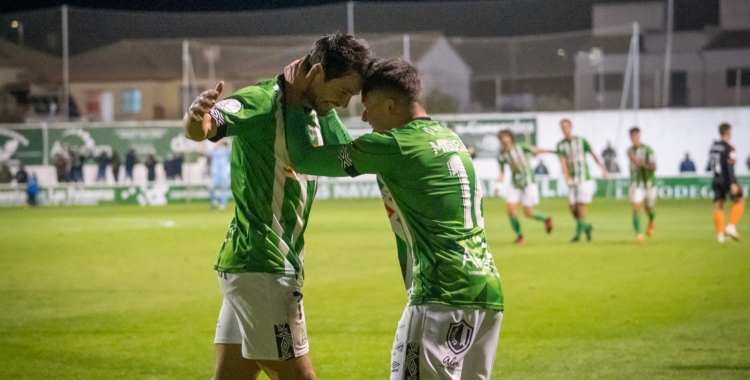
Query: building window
{"points": [[612, 82], [131, 101], [744, 77]]}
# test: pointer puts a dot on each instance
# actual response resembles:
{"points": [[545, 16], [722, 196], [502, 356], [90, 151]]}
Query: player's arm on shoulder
{"points": [[373, 153]]}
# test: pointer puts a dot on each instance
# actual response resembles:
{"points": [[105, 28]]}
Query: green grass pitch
{"points": [[129, 293]]}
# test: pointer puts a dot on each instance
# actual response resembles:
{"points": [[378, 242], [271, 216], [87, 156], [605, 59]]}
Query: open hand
{"points": [[298, 79]]}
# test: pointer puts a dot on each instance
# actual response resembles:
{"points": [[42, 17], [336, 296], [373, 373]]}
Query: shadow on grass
{"points": [[711, 367]]}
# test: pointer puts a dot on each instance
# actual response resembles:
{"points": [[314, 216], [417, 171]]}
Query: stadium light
{"points": [[15, 24], [561, 52]]}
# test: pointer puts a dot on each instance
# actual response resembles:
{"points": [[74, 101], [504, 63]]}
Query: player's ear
{"points": [[391, 103]]}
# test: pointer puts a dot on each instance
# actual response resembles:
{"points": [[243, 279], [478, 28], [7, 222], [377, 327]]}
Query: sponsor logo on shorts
{"points": [[451, 362], [394, 366], [284, 344], [459, 336], [411, 362]]}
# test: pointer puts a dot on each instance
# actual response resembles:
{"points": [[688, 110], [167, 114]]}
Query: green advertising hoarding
{"points": [[23, 145], [163, 194]]}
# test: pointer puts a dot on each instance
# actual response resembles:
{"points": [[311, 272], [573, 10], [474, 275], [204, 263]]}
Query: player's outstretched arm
{"points": [[197, 122], [600, 164], [538, 150], [306, 158]]}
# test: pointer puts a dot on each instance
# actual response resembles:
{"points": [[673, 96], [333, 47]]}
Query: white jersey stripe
{"points": [[282, 160], [401, 229]]}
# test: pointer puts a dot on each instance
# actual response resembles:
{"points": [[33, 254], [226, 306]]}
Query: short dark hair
{"points": [[507, 132], [724, 128], [635, 130], [393, 75], [340, 55]]}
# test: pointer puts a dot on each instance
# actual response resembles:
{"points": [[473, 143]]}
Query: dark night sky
{"points": [[93, 25]]}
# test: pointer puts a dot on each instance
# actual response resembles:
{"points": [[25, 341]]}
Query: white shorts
{"points": [[639, 194], [582, 192], [264, 313], [528, 197], [438, 342]]}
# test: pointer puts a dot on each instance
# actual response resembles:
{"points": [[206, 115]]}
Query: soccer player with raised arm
{"points": [[725, 184], [572, 151], [451, 324], [523, 187], [261, 324], [642, 182]]}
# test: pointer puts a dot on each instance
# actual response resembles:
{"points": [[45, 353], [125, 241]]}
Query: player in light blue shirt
{"points": [[220, 181]]}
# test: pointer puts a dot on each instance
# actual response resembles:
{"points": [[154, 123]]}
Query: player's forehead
{"points": [[350, 82]]}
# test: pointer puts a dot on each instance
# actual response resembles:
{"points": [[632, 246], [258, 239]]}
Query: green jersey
{"points": [[433, 200], [520, 167], [272, 200], [640, 176], [574, 153]]}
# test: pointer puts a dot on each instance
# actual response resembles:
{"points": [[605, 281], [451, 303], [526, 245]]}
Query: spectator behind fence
{"points": [[130, 161], [101, 162], [151, 167], [61, 168], [115, 162], [32, 189], [541, 169], [76, 167], [179, 159], [21, 175], [5, 174], [687, 165], [609, 156]]}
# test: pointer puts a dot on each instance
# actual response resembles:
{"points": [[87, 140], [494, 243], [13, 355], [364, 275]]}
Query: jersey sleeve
{"points": [[371, 153], [527, 149], [237, 114], [559, 150], [587, 146], [333, 130]]}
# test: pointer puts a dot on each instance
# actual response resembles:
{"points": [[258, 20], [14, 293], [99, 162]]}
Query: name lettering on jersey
{"points": [[447, 146]]}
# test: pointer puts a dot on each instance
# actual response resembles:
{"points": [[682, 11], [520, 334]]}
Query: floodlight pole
{"points": [[407, 48], [65, 106], [350, 17], [185, 74], [636, 70], [668, 54]]}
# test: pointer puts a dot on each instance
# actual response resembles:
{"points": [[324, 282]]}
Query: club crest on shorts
{"points": [[459, 336]]}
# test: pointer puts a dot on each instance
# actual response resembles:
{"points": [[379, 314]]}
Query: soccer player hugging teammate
{"points": [[642, 182], [572, 151], [260, 266], [451, 324], [523, 187], [725, 184]]}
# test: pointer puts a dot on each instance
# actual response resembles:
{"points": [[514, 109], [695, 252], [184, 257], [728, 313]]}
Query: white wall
{"points": [[734, 14], [670, 132], [619, 18]]}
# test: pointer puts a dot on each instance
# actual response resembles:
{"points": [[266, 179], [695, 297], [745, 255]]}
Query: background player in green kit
{"points": [[261, 323], [451, 324], [572, 151], [642, 182], [523, 187]]}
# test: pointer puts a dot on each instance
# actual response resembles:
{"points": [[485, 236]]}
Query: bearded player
{"points": [[642, 182], [725, 184], [451, 324], [261, 324], [523, 187]]}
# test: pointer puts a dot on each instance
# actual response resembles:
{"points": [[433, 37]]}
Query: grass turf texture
{"points": [[129, 293]]}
